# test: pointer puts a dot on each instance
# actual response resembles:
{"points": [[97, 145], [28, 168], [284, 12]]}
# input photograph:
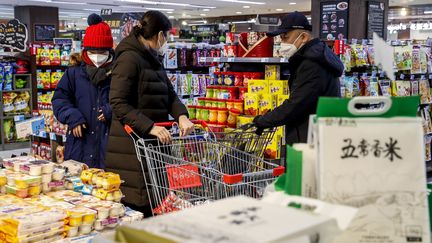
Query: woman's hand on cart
{"points": [[162, 134], [185, 125]]}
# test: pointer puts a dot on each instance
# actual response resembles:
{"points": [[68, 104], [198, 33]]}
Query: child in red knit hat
{"points": [[81, 97]]}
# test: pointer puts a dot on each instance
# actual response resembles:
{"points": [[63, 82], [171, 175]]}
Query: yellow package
{"points": [[243, 120], [281, 99], [110, 181], [273, 150], [278, 87], [266, 103], [251, 104], [258, 86], [87, 175], [272, 72]]}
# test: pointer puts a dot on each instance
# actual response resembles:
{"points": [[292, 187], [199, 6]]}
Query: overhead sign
{"points": [[268, 20], [14, 35], [334, 20], [375, 19], [106, 11], [44, 32]]}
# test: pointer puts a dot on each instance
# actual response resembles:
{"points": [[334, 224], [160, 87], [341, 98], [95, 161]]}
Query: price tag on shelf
{"points": [[216, 59], [264, 60], [19, 118], [423, 77], [412, 77], [28, 127], [230, 59], [202, 59], [402, 76], [284, 59], [430, 76], [53, 136], [64, 138]]}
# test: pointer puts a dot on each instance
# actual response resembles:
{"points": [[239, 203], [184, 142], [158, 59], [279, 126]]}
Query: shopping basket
{"points": [[197, 169], [247, 138]]}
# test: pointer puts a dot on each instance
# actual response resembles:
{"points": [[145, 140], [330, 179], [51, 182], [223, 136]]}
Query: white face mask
{"points": [[162, 47], [287, 50], [98, 59]]}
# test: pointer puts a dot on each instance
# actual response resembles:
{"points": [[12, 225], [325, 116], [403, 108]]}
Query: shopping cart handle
{"points": [[170, 124], [128, 129]]}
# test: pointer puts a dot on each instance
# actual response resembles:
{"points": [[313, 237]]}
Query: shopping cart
{"points": [[197, 169], [247, 138]]}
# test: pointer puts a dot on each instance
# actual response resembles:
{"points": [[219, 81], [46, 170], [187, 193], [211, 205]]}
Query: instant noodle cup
{"points": [[71, 231], [85, 229], [213, 116], [75, 219], [222, 116]]}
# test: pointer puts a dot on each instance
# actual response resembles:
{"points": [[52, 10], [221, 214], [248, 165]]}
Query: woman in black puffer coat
{"points": [[140, 96]]}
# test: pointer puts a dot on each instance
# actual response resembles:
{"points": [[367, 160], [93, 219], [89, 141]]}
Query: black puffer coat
{"points": [[140, 95], [315, 72]]}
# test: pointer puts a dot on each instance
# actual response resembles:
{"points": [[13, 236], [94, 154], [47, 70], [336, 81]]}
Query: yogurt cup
{"points": [[85, 229]]}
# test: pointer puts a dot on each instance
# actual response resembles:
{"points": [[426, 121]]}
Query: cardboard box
{"points": [[251, 103], [281, 99], [236, 219], [266, 103], [278, 87], [272, 72], [258, 86]]}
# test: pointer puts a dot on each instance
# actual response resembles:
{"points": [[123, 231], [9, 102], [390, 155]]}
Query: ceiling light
{"points": [[183, 15], [203, 14], [167, 3], [238, 12], [292, 3], [279, 9], [403, 12], [206, 10], [184, 23], [93, 10], [241, 1], [72, 3], [160, 9], [427, 12], [171, 17], [169, 12], [246, 6]]}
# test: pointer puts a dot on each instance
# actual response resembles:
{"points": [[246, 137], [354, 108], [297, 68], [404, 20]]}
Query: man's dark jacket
{"points": [[314, 72]]}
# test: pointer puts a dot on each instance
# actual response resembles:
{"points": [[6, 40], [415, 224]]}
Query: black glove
{"points": [[259, 130]]}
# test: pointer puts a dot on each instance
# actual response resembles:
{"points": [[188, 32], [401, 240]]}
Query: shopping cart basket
{"points": [[247, 138], [197, 169]]}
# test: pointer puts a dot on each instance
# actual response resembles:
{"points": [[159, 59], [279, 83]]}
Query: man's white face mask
{"points": [[287, 50], [98, 59]]}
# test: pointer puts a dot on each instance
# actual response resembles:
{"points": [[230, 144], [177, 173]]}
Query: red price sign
{"points": [[183, 176]]}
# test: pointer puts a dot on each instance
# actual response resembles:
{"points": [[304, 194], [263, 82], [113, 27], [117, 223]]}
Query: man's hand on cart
{"points": [[185, 125], [78, 131], [162, 134]]}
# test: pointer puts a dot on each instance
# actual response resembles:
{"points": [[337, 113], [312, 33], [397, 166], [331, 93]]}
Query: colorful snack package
{"points": [[416, 66], [415, 87], [46, 80], [55, 56], [424, 60], [272, 72], [39, 78], [348, 84], [8, 76], [385, 87], [21, 102], [9, 130], [45, 56], [8, 99], [403, 57], [265, 103], [374, 88], [356, 87], [2, 78], [55, 78], [365, 86], [251, 102], [65, 54], [258, 87], [424, 91], [403, 88]]}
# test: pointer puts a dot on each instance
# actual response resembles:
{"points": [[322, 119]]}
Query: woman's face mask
{"points": [[98, 58], [287, 50]]}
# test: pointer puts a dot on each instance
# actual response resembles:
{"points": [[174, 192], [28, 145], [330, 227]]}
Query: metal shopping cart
{"points": [[247, 138], [197, 169]]}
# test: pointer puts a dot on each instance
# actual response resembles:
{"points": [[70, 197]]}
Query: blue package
{"points": [[8, 76], [1, 76]]}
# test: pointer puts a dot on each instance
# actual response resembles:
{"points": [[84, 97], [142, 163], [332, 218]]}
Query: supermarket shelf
{"points": [[9, 54], [15, 90], [16, 116], [245, 59], [50, 66], [17, 145], [52, 136]]}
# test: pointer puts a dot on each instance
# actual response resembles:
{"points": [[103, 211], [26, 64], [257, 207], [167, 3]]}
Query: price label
{"points": [[264, 60], [284, 59], [53, 136], [230, 59], [216, 59], [430, 76], [402, 76], [412, 77]]}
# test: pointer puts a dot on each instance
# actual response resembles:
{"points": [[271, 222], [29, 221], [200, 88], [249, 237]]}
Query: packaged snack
{"points": [[385, 87], [258, 87], [31, 169], [403, 88], [272, 72], [424, 60], [60, 154], [46, 79], [55, 56], [213, 115], [8, 76], [9, 130], [428, 142], [374, 88], [278, 87], [45, 56], [403, 57], [229, 79], [238, 79], [232, 118], [424, 90], [25, 181], [2, 78], [22, 102], [55, 78], [416, 65], [222, 116], [281, 99], [3, 178], [251, 104], [265, 103], [356, 87], [414, 87], [65, 55], [364, 86], [87, 175], [109, 181], [22, 193], [39, 78]]}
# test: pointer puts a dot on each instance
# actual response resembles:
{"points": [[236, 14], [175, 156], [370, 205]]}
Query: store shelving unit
{"points": [[269, 60]]}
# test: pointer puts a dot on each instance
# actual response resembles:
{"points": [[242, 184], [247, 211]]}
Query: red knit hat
{"points": [[98, 34]]}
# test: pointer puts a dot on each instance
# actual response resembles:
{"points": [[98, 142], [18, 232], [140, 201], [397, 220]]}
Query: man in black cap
{"points": [[314, 72]]}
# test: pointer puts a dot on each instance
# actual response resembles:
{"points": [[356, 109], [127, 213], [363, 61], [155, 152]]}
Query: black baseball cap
{"points": [[292, 21]]}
